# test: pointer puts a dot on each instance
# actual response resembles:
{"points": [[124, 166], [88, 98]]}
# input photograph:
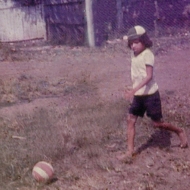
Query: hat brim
{"points": [[133, 37]]}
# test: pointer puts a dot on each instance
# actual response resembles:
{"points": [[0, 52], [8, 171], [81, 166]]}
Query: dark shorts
{"points": [[151, 104]]}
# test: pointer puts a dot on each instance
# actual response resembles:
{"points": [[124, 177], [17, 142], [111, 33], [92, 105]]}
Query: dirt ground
{"points": [[85, 88]]}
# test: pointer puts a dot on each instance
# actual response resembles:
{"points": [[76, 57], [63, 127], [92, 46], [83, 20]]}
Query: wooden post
{"points": [[119, 15], [90, 23]]}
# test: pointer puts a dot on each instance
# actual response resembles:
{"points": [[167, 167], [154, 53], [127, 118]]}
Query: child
{"points": [[145, 92]]}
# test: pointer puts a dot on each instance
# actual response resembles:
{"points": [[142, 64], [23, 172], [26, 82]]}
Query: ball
{"points": [[42, 171]]}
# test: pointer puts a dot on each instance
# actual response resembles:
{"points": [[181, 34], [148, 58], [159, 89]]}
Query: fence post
{"points": [[90, 23], [157, 18], [119, 15]]}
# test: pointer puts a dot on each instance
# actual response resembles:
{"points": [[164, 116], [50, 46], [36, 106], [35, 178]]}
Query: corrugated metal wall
{"points": [[21, 23], [65, 21], [59, 21]]}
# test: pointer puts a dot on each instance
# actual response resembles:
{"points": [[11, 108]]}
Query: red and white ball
{"points": [[43, 171]]}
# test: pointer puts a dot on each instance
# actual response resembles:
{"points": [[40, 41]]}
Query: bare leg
{"points": [[131, 120], [180, 132]]}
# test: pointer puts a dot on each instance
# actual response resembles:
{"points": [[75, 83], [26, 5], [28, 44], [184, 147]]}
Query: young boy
{"points": [[145, 92]]}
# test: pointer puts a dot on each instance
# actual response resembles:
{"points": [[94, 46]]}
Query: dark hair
{"points": [[144, 39]]}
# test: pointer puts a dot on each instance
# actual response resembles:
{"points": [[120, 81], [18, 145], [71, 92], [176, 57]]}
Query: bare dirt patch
{"points": [[66, 106]]}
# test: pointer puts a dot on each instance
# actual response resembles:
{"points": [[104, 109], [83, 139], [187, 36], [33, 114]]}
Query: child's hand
{"points": [[129, 94]]}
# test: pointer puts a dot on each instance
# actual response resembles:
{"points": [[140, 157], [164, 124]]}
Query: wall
{"points": [[65, 21], [18, 23]]}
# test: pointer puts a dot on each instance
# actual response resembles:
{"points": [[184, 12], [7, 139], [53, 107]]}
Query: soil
{"points": [[105, 74]]}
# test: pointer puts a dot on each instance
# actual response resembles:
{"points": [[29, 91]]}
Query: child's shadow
{"points": [[160, 138]]}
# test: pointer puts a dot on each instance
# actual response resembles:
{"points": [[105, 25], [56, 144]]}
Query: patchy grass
{"points": [[77, 132], [70, 121], [46, 134]]}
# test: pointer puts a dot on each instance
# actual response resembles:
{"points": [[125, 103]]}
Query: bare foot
{"points": [[126, 157], [183, 139]]}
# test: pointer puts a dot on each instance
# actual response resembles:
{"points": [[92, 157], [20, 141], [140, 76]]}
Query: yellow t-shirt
{"points": [[138, 72]]}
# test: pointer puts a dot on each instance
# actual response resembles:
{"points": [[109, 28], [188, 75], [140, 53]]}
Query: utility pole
{"points": [[90, 23]]}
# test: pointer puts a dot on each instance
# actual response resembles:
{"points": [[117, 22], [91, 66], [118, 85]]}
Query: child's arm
{"points": [[149, 71]]}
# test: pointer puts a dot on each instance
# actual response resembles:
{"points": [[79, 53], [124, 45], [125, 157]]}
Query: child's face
{"points": [[137, 46]]}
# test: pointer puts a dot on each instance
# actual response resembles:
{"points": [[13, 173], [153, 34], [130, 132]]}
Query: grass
{"points": [[75, 133], [67, 123]]}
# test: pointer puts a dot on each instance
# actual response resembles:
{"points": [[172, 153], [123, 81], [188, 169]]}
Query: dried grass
{"points": [[65, 121], [76, 133]]}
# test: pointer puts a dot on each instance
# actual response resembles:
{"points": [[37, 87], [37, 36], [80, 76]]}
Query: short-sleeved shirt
{"points": [[138, 72]]}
